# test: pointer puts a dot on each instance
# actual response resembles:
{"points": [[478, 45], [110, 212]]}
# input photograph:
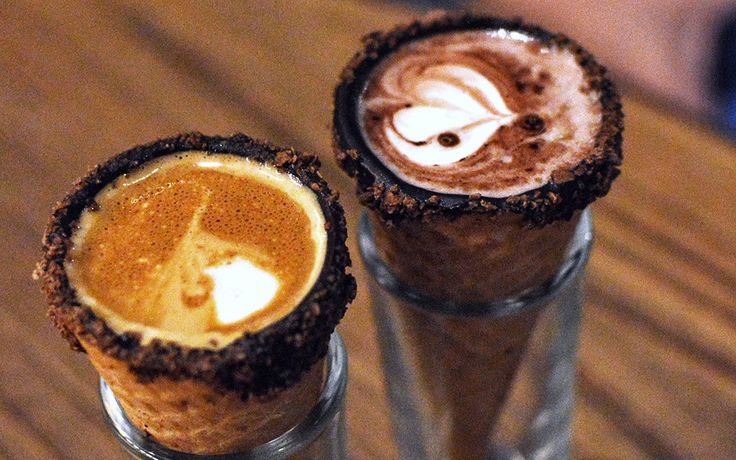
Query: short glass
{"points": [[321, 435], [534, 420]]}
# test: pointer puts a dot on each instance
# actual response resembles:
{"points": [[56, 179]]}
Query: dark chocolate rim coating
{"points": [[258, 364], [395, 200]]}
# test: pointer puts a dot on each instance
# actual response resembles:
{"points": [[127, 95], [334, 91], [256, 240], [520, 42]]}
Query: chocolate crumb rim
{"points": [[258, 364], [394, 200]]}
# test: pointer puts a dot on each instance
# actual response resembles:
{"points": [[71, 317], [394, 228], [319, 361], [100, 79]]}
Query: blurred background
{"points": [[82, 81]]}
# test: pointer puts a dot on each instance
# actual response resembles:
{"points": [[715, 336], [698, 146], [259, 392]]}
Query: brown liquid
{"points": [[143, 255]]}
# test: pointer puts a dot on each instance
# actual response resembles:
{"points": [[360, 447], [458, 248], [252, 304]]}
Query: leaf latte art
{"points": [[488, 112], [453, 111]]}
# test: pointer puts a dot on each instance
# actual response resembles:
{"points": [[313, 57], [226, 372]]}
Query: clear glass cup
{"points": [[321, 435], [534, 419]]}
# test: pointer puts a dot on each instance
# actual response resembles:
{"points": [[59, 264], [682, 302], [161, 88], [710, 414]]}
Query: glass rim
{"points": [[138, 444], [572, 266]]}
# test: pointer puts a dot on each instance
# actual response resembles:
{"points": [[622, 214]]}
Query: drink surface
{"points": [[198, 248], [491, 112]]}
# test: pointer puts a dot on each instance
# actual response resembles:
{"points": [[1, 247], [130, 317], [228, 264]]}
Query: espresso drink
{"points": [[198, 248], [203, 276], [476, 142]]}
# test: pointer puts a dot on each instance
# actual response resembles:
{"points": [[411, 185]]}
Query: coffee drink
{"points": [[203, 276], [198, 248]]}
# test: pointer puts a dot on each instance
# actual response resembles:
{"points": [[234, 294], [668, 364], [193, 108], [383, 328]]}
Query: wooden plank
{"points": [[56, 407], [596, 437], [656, 393]]}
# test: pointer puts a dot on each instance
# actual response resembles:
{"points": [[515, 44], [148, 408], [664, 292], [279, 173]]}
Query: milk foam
{"points": [[464, 88], [241, 289], [210, 288], [449, 98]]}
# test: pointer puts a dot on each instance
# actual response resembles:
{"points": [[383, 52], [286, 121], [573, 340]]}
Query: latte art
{"points": [[197, 249], [454, 110], [483, 112]]}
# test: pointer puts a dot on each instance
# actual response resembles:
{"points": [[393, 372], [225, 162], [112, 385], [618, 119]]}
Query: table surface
{"points": [[657, 367]]}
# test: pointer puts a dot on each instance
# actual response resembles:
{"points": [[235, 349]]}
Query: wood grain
{"points": [[81, 82]]}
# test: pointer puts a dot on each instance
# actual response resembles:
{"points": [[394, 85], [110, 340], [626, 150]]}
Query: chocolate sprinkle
{"points": [[448, 139], [394, 200], [533, 123], [258, 364]]}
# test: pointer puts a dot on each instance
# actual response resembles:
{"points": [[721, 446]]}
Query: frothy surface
{"points": [[198, 249], [494, 113]]}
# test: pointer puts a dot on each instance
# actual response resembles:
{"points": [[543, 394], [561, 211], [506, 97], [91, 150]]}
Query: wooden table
{"points": [[657, 372]]}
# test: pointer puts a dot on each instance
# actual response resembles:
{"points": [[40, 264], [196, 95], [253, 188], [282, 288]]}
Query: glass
{"points": [[321, 435], [439, 400]]}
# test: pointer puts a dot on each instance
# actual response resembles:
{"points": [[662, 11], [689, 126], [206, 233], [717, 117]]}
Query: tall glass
{"points": [[428, 404], [321, 435]]}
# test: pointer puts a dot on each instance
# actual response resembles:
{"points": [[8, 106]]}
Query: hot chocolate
{"points": [[475, 142], [489, 112]]}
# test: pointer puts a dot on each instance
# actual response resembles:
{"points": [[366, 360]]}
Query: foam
{"points": [[198, 248], [447, 113], [241, 289]]}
